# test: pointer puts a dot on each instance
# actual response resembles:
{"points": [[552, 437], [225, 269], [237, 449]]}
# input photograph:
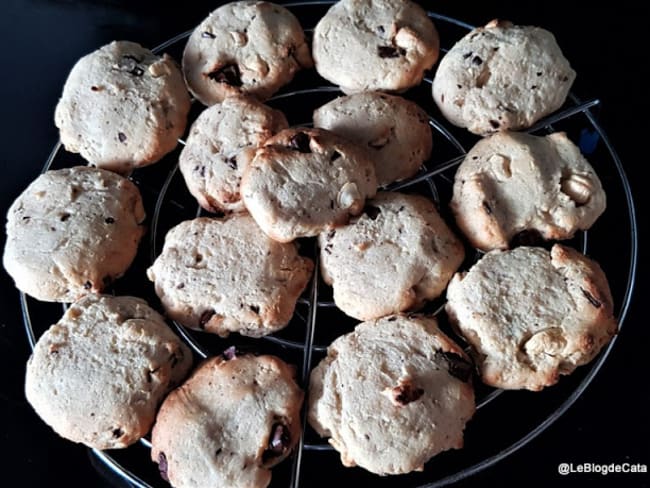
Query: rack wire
{"points": [[433, 174]]}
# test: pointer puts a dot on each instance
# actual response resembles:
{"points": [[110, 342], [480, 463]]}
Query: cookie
{"points": [[386, 45], [220, 146], [392, 394], [225, 275], [122, 107], [395, 131], [244, 47], [531, 315], [304, 181], [502, 76], [98, 375], [229, 423], [395, 256], [512, 184], [72, 232]]}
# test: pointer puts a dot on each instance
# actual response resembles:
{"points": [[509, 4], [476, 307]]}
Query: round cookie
{"points": [[234, 419], [392, 394], [122, 107], [531, 315], [244, 47], [385, 45], [303, 181], [219, 147], [512, 183], [393, 257], [98, 375], [226, 275], [502, 76], [395, 130], [72, 232]]}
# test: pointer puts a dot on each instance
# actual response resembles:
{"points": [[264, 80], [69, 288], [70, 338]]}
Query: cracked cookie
{"points": [[72, 232], [531, 315], [502, 76], [304, 181], [219, 147], [122, 107], [384, 45], [393, 257], [225, 275], [513, 187], [392, 394], [396, 131], [246, 47], [236, 417], [98, 375]]}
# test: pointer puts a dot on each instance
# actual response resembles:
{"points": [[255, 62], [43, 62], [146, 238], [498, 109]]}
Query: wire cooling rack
{"points": [[498, 428]]}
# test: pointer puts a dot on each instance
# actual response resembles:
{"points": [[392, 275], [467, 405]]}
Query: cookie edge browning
{"points": [[180, 399], [593, 299]]}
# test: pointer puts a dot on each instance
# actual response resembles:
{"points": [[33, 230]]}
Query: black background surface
{"points": [[607, 46]]}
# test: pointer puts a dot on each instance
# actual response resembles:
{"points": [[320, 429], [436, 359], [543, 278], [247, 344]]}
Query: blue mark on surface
{"points": [[588, 141]]}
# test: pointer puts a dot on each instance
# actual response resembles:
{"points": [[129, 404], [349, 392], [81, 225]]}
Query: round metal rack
{"points": [[317, 321]]}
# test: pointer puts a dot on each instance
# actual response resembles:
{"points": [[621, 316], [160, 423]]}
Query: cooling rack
{"points": [[504, 421]]}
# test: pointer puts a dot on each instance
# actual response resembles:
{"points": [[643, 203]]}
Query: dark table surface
{"points": [[606, 45]]}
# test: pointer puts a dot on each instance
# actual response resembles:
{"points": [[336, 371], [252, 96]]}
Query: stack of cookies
{"points": [[396, 390]]}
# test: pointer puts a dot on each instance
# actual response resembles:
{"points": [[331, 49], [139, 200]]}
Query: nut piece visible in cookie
{"points": [[122, 107], [512, 183], [98, 375], [228, 424], [249, 47], [395, 130], [502, 76], [219, 147], [72, 232], [304, 181], [384, 45], [393, 257], [392, 394], [531, 315], [225, 275]]}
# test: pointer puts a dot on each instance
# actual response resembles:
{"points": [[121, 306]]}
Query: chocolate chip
{"points": [[495, 48], [205, 318], [487, 208], [330, 235], [392, 319], [88, 285], [534, 87], [335, 155], [467, 55], [371, 211], [180, 286], [117, 433], [457, 366], [254, 308], [539, 73], [109, 220], [218, 451], [279, 442], [228, 74], [162, 466], [494, 124], [300, 142], [207, 35], [380, 29], [528, 237], [63, 217], [477, 60], [332, 204], [26, 217], [231, 162], [94, 88], [200, 170], [121, 136], [230, 353], [406, 393], [327, 249], [592, 299], [565, 78], [390, 51]]}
